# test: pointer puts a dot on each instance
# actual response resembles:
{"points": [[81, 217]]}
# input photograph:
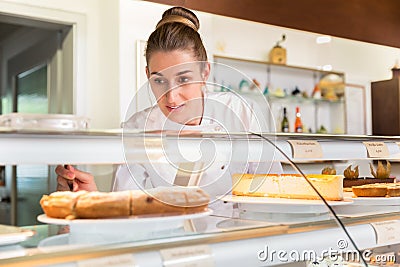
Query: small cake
{"points": [[377, 190], [393, 190], [288, 186], [381, 175], [365, 180], [370, 190]]}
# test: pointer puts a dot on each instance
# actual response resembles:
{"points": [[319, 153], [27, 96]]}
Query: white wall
{"points": [[361, 62], [109, 30], [252, 40]]}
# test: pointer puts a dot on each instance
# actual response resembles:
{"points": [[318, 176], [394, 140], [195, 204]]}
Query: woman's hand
{"points": [[71, 179]]}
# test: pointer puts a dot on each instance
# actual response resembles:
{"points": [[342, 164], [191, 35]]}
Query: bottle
{"points": [[298, 125], [285, 122]]}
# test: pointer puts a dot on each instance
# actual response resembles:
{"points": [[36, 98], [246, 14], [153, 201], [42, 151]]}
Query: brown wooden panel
{"points": [[374, 21], [385, 107]]}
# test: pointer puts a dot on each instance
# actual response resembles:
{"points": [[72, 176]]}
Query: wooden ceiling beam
{"points": [[372, 21]]}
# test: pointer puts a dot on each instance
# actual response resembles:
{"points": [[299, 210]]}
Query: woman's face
{"points": [[176, 80]]}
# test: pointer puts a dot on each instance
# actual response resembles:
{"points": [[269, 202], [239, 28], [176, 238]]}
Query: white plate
{"points": [[133, 220], [58, 243], [89, 231], [282, 205], [372, 201], [376, 201], [12, 235]]}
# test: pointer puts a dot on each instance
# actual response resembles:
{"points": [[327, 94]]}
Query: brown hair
{"points": [[177, 30]]}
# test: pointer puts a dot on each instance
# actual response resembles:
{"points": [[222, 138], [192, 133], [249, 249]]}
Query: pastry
{"points": [[288, 186], [377, 190], [393, 190], [93, 205], [177, 200], [380, 176], [103, 205], [370, 190], [348, 183], [60, 204]]}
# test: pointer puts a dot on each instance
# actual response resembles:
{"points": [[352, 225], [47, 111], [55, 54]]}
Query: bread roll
{"points": [[60, 204], [95, 205]]}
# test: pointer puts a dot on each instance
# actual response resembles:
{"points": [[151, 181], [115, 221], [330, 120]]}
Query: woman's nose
{"points": [[172, 95]]}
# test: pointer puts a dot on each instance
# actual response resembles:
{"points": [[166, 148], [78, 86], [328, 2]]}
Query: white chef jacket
{"points": [[223, 112]]}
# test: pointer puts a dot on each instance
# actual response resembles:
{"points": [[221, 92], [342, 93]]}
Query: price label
{"points": [[306, 149], [376, 149], [193, 256], [387, 232], [112, 261]]}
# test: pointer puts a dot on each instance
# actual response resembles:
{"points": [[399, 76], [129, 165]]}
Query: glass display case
{"points": [[246, 231]]}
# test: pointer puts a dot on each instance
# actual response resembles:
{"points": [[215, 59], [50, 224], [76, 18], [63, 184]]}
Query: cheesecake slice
{"points": [[288, 186]]}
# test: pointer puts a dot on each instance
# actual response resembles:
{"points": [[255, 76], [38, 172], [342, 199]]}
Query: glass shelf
{"points": [[27, 147], [297, 99]]}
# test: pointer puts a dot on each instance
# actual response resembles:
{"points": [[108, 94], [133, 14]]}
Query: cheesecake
{"points": [[288, 186]]}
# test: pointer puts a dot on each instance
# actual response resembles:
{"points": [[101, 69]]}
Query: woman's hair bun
{"points": [[177, 30], [181, 15]]}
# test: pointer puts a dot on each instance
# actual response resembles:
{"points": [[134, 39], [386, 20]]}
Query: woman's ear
{"points": [[206, 71], [147, 72]]}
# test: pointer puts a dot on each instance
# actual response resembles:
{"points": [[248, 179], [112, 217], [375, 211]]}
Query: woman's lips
{"points": [[174, 108]]}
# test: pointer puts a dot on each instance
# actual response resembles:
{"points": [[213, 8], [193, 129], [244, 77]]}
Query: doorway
{"points": [[36, 76]]}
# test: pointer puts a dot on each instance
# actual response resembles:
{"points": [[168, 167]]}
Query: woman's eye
{"points": [[183, 79], [159, 80]]}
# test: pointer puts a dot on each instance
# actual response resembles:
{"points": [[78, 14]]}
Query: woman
{"points": [[177, 70]]}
